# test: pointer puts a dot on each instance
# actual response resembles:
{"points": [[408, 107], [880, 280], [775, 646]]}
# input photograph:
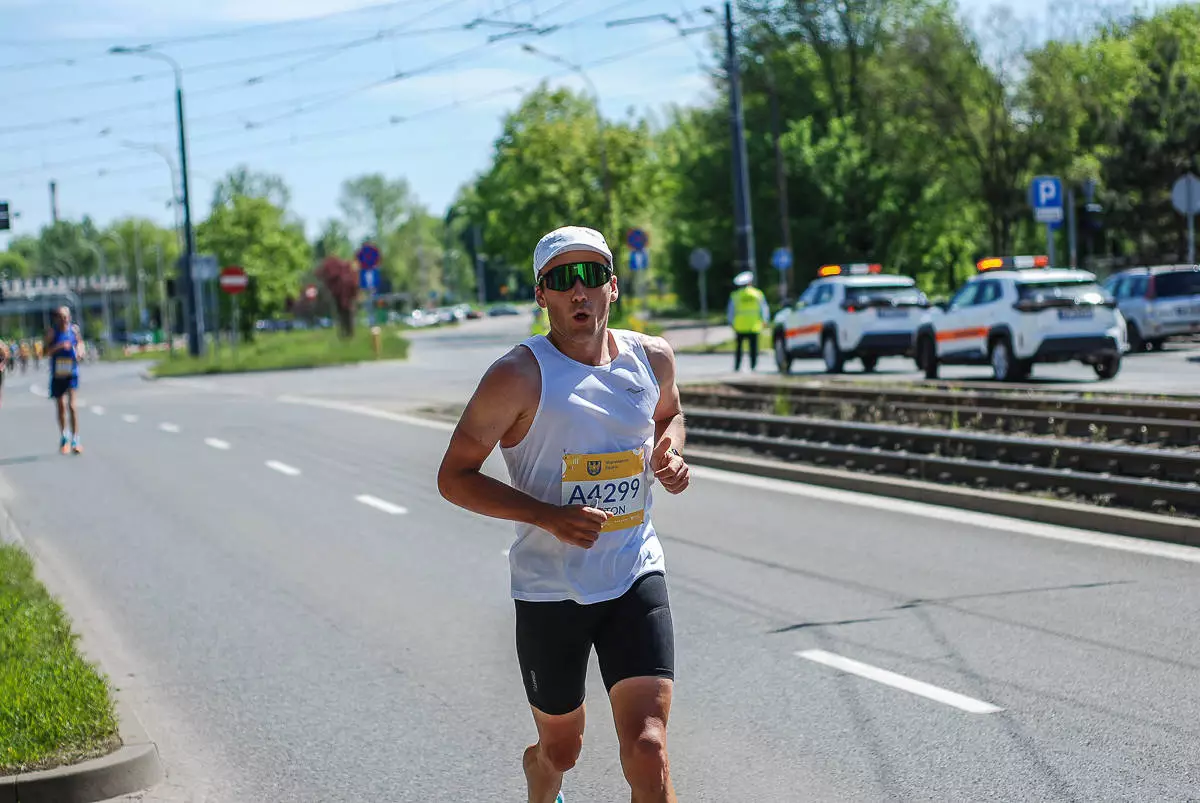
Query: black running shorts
{"points": [[632, 634]]}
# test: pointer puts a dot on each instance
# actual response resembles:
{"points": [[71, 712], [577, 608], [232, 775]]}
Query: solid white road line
{"points": [[902, 682], [166, 426], [379, 504], [970, 518], [1032, 528], [38, 391], [129, 419], [283, 468], [217, 443], [98, 410], [359, 409]]}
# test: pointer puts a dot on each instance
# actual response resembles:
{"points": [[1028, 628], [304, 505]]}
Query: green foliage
{"points": [[256, 234], [289, 350], [54, 706], [376, 204], [246, 182]]}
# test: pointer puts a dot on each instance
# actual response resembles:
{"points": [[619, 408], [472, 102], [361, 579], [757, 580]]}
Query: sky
{"points": [[316, 91]]}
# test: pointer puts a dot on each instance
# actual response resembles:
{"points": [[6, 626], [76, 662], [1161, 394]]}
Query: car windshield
{"points": [[1177, 283], [894, 293], [1079, 290]]}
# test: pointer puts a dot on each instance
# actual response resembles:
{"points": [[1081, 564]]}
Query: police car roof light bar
{"points": [[856, 269], [1012, 263]]}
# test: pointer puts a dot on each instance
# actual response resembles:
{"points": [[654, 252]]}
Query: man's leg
{"points": [[753, 351], [74, 419], [636, 648], [737, 354], [641, 707], [554, 640], [560, 740]]}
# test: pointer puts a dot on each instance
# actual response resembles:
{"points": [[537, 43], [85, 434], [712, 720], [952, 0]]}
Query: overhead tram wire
{"points": [[395, 119]]}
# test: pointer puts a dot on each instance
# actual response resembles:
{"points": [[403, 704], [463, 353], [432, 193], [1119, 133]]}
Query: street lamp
{"points": [[578, 70], [190, 301], [162, 151]]}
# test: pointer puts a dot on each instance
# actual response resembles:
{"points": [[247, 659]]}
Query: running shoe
{"points": [[64, 445]]}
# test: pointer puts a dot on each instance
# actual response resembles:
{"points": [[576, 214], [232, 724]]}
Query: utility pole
{"points": [[480, 288], [53, 202], [743, 225], [192, 298], [787, 277]]}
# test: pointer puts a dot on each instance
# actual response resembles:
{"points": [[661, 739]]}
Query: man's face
{"points": [[62, 318], [580, 312]]}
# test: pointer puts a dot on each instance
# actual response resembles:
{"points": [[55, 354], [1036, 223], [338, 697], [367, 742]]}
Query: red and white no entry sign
{"points": [[233, 279]]}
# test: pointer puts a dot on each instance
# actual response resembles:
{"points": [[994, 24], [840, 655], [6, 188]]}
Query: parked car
{"points": [[1158, 303]]}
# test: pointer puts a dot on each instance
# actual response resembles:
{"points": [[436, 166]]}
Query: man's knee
{"points": [[561, 752], [644, 757]]}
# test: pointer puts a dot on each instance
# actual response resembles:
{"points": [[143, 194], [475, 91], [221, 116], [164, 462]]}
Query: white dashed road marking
{"points": [[98, 410], [902, 682], [217, 443], [379, 504], [168, 427], [129, 419], [283, 468]]}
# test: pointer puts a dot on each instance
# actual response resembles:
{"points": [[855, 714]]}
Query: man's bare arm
{"points": [[499, 402], [669, 429]]}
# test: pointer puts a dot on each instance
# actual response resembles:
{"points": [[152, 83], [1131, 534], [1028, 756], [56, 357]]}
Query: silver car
{"points": [[1157, 303]]}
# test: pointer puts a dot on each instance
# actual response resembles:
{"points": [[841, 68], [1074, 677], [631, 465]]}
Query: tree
{"points": [[341, 280], [13, 265], [375, 203], [251, 184], [256, 234], [334, 240]]}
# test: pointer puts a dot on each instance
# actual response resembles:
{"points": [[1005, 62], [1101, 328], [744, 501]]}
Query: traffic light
{"points": [[1093, 215], [4, 216]]}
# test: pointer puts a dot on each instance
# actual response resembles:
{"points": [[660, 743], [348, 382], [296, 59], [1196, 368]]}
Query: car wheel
{"points": [[869, 364], [834, 360], [1108, 368], [1136, 344], [1004, 367]]}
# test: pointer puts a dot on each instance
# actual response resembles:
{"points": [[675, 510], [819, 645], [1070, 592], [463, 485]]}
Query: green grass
{"points": [[765, 346], [283, 350], [55, 707]]}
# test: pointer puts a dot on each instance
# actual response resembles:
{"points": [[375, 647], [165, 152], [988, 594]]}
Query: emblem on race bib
{"points": [[614, 482]]}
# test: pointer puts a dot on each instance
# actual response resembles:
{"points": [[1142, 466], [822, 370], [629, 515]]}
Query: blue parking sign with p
{"points": [[1046, 198]]}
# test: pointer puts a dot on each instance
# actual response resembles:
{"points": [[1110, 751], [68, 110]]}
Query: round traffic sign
{"points": [[233, 279], [368, 255], [310, 292], [1185, 195], [700, 259], [781, 258], [637, 240]]}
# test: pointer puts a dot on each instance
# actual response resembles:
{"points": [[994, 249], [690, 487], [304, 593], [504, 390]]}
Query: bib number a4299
{"points": [[64, 366], [614, 482]]}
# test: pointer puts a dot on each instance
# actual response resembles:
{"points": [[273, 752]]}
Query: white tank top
{"points": [[590, 418]]}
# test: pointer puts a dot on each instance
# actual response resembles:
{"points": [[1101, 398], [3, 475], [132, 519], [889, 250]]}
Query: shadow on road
{"points": [[16, 461]]}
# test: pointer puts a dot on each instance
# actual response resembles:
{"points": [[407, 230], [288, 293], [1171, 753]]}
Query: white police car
{"points": [[1157, 303], [848, 312], [1018, 311]]}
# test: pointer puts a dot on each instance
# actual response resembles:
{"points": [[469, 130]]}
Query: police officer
{"points": [[748, 314]]}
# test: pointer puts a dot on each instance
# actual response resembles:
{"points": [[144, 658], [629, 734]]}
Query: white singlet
{"points": [[590, 443]]}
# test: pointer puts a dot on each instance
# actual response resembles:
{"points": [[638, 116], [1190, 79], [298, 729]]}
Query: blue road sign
{"points": [[368, 279], [1046, 198], [781, 258], [637, 240], [368, 255], [638, 260]]}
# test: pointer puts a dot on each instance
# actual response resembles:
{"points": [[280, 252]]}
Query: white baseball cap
{"points": [[744, 278], [568, 238]]}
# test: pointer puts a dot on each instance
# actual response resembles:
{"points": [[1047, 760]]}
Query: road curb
{"points": [[1134, 524], [134, 766]]}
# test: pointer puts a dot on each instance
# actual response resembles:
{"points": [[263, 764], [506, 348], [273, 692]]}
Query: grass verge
{"points": [[283, 350], [55, 707]]}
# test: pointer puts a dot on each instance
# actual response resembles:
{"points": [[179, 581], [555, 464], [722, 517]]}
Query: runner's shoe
{"points": [[64, 445], [75, 447]]}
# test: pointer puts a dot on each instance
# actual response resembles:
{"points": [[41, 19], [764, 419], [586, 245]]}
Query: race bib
{"points": [[614, 482], [64, 367]]}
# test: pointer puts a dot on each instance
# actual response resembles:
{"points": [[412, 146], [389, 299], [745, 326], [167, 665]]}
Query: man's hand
{"points": [[575, 524], [670, 469]]}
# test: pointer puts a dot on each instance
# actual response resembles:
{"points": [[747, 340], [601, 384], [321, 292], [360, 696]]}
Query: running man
{"points": [[587, 418], [5, 356], [64, 348]]}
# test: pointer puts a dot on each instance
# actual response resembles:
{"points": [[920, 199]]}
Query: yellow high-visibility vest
{"points": [[747, 311], [541, 322]]}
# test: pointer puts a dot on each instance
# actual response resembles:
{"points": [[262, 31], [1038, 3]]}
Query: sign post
{"points": [[234, 281], [368, 257], [1046, 198], [701, 260], [1185, 197], [781, 259]]}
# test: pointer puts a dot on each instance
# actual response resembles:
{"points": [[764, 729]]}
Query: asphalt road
{"points": [[285, 631]]}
